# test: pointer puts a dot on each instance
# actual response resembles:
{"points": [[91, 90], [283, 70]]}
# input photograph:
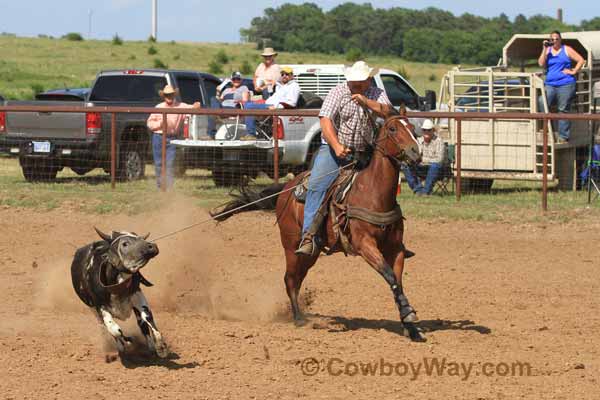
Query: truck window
{"points": [[211, 89], [399, 92], [128, 88], [189, 89]]}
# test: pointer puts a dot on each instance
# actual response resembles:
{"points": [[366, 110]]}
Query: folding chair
{"points": [[591, 174], [446, 174]]}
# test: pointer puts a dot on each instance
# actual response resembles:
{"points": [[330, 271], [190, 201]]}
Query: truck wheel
{"points": [[311, 154], [131, 163], [228, 178], [38, 170], [81, 170]]}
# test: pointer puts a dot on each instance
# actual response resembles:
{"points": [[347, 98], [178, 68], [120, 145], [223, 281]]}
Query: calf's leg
{"points": [[145, 321], [114, 329]]}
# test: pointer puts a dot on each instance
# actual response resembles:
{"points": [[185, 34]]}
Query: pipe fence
{"points": [[117, 149]]}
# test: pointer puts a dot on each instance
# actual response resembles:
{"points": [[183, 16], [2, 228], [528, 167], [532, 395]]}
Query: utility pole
{"points": [[154, 18], [90, 13], [559, 15]]}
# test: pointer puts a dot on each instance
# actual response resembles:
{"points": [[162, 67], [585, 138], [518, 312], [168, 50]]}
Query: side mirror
{"points": [[427, 102], [431, 99]]}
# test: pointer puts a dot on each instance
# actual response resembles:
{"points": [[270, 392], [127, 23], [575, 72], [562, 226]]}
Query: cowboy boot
{"points": [[308, 244]]}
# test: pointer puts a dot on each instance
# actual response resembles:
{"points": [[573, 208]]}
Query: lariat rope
{"points": [[245, 205]]}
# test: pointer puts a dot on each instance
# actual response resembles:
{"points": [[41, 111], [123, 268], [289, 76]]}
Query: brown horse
{"points": [[381, 246]]}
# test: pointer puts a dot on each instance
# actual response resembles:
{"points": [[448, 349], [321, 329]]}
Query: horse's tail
{"points": [[250, 198]]}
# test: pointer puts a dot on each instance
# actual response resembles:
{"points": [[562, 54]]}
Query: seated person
{"points": [[231, 97], [432, 154], [266, 74], [286, 96]]}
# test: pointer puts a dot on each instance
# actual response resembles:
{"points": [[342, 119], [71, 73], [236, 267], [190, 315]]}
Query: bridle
{"points": [[400, 156], [375, 141]]}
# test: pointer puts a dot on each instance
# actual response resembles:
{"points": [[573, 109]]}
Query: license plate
{"points": [[41, 147], [231, 155]]}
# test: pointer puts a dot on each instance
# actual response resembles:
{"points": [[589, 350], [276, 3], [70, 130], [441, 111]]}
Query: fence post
{"points": [[545, 167], [458, 157], [163, 155], [275, 150], [113, 149]]}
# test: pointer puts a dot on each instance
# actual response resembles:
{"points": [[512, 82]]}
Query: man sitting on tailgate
{"points": [[286, 95]]}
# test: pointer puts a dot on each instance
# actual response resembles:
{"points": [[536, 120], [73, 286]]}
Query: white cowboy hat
{"points": [[168, 89], [360, 71], [268, 51], [427, 124]]}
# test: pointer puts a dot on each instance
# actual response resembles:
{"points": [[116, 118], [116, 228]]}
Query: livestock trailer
{"points": [[512, 148]]}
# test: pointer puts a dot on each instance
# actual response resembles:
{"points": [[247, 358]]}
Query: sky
{"points": [[221, 20]]}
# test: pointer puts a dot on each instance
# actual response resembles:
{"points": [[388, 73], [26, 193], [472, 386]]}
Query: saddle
{"points": [[335, 206]]}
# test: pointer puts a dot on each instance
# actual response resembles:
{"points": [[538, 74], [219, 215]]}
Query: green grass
{"points": [[56, 63], [92, 193], [509, 202]]}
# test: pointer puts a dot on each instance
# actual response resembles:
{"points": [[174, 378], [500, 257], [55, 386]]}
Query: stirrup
{"points": [[307, 246]]}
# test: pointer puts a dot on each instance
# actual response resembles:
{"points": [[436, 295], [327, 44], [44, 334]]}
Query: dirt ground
{"points": [[488, 295]]}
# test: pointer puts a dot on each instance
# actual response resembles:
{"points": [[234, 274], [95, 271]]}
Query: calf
{"points": [[106, 276]]}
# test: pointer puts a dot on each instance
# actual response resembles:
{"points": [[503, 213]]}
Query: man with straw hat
{"points": [[345, 128], [267, 73], [155, 124]]}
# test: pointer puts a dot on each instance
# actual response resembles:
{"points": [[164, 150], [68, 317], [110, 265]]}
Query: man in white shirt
{"points": [[286, 96], [432, 155]]}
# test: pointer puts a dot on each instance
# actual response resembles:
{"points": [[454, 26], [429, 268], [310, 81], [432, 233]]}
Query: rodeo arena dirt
{"points": [[503, 285]]}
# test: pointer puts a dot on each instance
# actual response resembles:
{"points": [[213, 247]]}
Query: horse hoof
{"points": [[411, 317], [162, 351], [414, 333], [300, 322], [110, 357]]}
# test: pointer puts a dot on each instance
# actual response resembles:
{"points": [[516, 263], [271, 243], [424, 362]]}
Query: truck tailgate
{"points": [[226, 144], [52, 125]]}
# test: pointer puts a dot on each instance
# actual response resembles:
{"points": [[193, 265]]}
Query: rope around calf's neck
{"points": [[185, 228]]}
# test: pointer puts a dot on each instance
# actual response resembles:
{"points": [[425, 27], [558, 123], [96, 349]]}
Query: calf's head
{"points": [[128, 252]]}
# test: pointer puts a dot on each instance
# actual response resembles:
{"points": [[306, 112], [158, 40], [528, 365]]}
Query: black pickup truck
{"points": [[46, 142]]}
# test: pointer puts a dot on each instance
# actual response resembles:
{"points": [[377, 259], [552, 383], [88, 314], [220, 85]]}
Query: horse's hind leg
{"points": [[373, 256], [295, 272]]}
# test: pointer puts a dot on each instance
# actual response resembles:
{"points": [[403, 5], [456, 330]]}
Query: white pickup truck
{"points": [[232, 160]]}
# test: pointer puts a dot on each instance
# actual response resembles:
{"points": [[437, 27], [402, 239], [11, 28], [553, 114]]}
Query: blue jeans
{"points": [[170, 158], [251, 121], [563, 96], [323, 173], [413, 176], [212, 125]]}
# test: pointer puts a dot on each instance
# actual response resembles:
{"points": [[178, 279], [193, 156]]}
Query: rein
{"points": [[374, 143]]}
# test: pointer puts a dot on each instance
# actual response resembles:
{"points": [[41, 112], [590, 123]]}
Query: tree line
{"points": [[429, 35]]}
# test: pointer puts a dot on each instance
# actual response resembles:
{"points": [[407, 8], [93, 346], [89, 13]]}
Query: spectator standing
{"points": [[155, 124], [560, 77]]}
